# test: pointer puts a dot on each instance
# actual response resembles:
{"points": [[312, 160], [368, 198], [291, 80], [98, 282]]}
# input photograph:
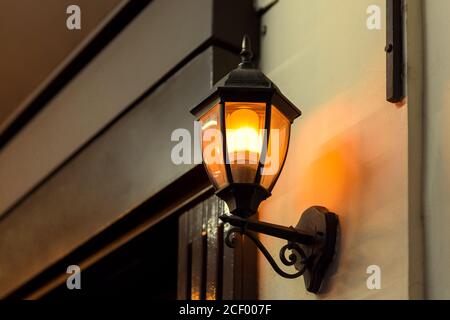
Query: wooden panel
{"points": [[19, 85], [183, 251], [102, 146], [236, 268], [166, 34], [220, 260], [233, 265], [118, 171], [105, 88], [216, 271], [198, 253], [213, 250], [228, 263], [168, 202], [249, 271], [189, 219]]}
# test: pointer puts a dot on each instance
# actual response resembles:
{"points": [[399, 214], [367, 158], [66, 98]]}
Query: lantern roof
{"points": [[246, 83]]}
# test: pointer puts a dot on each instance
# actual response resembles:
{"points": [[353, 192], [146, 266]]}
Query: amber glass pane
{"points": [[245, 132], [277, 148], [212, 148]]}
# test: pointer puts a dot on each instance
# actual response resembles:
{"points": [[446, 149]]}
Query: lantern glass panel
{"points": [[277, 148], [212, 147], [244, 122]]}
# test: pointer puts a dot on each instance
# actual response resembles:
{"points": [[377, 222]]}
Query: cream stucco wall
{"points": [[349, 150], [437, 148]]}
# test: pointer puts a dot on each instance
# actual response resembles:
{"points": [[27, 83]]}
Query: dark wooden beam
{"points": [[395, 61]]}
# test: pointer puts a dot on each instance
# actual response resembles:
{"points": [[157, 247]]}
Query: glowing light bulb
{"points": [[244, 140], [243, 132]]}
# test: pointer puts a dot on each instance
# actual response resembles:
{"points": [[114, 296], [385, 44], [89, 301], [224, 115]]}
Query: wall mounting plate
{"points": [[324, 224]]}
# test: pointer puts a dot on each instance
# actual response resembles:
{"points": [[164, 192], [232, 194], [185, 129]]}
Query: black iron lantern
{"points": [[245, 133]]}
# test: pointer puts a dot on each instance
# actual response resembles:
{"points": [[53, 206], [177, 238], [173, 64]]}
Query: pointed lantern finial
{"points": [[246, 53]]}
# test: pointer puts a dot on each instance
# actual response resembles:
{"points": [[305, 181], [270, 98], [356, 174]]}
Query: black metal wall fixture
{"points": [[311, 243], [249, 111], [395, 61]]}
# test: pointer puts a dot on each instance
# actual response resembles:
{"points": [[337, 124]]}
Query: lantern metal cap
{"points": [[246, 75], [246, 53], [246, 83]]}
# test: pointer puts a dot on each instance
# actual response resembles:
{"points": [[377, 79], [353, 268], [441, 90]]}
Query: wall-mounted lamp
{"points": [[245, 136]]}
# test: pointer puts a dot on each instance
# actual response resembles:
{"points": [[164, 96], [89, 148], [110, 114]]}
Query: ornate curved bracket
{"points": [[311, 243], [289, 261]]}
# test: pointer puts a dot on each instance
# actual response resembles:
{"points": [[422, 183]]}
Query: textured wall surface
{"points": [[437, 148], [349, 150]]}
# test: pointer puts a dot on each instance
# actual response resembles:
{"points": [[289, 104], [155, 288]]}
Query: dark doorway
{"points": [[145, 267]]}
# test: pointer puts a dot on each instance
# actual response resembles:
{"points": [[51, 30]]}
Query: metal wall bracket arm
{"points": [[287, 233], [310, 247], [288, 261]]}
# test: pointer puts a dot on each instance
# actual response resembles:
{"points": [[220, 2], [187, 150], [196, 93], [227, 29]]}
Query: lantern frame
{"points": [[312, 242], [246, 84]]}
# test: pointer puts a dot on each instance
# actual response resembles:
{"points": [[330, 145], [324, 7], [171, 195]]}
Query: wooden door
{"points": [[207, 268]]}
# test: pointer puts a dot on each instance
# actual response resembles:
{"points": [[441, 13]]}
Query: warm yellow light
{"points": [[243, 132]]}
